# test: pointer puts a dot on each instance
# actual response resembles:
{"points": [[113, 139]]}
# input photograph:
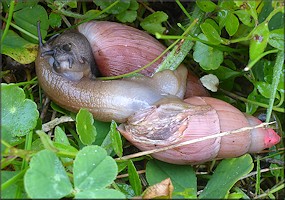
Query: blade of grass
{"points": [[277, 72]]}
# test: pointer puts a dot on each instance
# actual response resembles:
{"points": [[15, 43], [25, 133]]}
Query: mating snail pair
{"points": [[150, 107]]}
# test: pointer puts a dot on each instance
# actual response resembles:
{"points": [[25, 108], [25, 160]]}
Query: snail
{"points": [[151, 109]]}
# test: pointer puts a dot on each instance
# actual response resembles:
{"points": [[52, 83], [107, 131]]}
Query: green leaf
{"points": [[152, 23], [276, 38], [126, 189], [47, 142], [93, 169], [134, 178], [208, 57], [232, 24], [120, 7], [102, 129], [127, 16], [60, 136], [211, 33], [183, 177], [134, 5], [18, 115], [222, 17], [46, 177], [214, 25], [84, 127], [258, 43], [228, 172], [245, 17], [54, 20], [116, 139], [72, 3], [224, 73], [19, 4], [18, 48], [251, 108], [264, 88], [206, 5], [27, 19], [11, 191], [100, 194]]}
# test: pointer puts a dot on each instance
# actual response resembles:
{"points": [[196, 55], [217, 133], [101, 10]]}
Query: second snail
{"points": [[156, 109]]}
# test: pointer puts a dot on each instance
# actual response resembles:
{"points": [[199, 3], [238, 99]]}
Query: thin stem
{"points": [[274, 12], [252, 63], [20, 29], [13, 179], [183, 9], [282, 110], [8, 22], [220, 47]]}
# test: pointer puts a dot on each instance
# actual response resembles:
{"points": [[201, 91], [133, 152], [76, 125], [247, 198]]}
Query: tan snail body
{"points": [[151, 108], [68, 82]]}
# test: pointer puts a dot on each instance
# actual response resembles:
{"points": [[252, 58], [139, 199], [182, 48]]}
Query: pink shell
{"points": [[118, 48], [171, 123]]}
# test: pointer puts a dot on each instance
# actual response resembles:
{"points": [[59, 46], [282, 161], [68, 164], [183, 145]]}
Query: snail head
{"points": [[69, 54]]}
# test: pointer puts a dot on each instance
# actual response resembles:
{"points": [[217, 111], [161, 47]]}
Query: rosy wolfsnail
{"points": [[151, 107]]}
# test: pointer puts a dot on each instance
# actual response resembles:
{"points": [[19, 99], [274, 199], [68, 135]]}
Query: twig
{"points": [[51, 124]]}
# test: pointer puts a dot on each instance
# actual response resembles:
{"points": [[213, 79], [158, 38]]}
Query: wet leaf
{"points": [[211, 33], [228, 172], [18, 115], [116, 139], [93, 169], [258, 43], [276, 38], [84, 127], [46, 177], [134, 178]]}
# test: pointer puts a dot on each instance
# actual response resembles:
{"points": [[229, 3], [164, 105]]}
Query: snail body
{"points": [[151, 108], [63, 68]]}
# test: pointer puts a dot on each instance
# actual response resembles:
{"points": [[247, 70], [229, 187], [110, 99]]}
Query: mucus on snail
{"points": [[150, 109]]}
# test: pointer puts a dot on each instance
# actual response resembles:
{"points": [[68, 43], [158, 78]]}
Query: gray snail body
{"points": [[150, 109]]}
